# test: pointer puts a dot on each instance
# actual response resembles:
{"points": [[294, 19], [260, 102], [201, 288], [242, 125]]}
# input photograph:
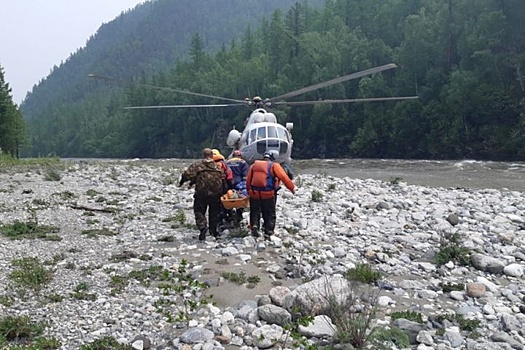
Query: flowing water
{"points": [[431, 173]]}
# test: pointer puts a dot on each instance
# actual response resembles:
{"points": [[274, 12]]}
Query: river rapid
{"points": [[430, 173]]}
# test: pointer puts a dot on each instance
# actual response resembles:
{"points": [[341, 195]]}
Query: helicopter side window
{"points": [[282, 134], [272, 133], [252, 135], [261, 133]]}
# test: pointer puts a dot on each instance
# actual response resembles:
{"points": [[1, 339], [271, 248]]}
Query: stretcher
{"points": [[235, 203]]}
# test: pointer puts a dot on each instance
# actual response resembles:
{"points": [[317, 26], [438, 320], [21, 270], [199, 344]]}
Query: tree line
{"points": [[12, 126], [463, 58]]}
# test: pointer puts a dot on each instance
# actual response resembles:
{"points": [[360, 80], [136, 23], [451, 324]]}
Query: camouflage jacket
{"points": [[207, 177]]}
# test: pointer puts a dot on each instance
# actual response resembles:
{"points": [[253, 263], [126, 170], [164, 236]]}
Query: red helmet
{"points": [[237, 153]]}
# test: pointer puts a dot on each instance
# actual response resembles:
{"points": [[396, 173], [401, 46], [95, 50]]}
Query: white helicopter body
{"points": [[262, 133]]}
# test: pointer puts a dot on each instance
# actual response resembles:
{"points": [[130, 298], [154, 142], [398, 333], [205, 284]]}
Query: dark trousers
{"points": [[213, 205], [267, 208]]}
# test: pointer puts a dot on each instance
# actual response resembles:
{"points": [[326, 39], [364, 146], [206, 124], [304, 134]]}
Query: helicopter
{"points": [[262, 133]]}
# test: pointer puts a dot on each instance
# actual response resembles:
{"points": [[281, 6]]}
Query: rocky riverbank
{"points": [[454, 256]]}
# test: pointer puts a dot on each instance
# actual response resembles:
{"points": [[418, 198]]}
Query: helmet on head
{"points": [[217, 155], [237, 153], [271, 155]]}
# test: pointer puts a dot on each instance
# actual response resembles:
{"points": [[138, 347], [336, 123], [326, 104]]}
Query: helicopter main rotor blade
{"points": [[351, 100], [183, 106], [192, 93], [164, 88], [335, 81]]}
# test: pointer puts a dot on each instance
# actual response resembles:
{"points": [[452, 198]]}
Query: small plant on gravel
{"points": [[99, 232], [81, 292], [40, 202], [184, 295], [27, 230], [168, 238], [6, 300], [363, 273], [17, 328], [449, 287], [92, 193], [331, 187], [452, 250], [178, 219], [147, 276], [317, 196], [118, 284], [54, 298], [52, 175], [384, 336], [465, 324], [407, 315], [65, 195], [106, 343], [239, 278], [30, 273], [395, 180]]}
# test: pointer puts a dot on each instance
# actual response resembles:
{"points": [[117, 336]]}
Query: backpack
{"points": [[209, 181]]}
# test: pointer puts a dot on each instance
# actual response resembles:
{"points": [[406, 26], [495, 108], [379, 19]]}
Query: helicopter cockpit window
{"points": [[283, 134], [272, 132], [253, 132], [261, 133]]}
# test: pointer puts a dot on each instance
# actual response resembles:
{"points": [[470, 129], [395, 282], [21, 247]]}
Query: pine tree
{"points": [[12, 126]]}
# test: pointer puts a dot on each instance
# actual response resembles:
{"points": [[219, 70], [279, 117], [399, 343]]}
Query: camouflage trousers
{"points": [[266, 207], [210, 204]]}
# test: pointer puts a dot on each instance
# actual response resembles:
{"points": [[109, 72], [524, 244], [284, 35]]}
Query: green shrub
{"points": [[184, 294], [363, 273], [453, 252]]}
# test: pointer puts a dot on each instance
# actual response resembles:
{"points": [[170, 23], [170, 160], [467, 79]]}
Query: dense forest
{"points": [[463, 58]]}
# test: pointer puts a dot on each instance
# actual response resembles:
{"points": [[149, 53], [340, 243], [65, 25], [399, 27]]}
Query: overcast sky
{"points": [[35, 35]]}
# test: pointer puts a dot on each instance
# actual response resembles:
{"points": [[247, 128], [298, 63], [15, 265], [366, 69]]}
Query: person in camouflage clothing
{"points": [[207, 177]]}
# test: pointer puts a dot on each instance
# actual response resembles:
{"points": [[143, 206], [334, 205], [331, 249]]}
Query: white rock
{"points": [[514, 270]]}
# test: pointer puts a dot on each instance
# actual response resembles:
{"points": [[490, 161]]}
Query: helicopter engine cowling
{"points": [[233, 138]]}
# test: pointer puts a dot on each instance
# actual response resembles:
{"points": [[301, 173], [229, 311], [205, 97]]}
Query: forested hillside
{"points": [[464, 58]]}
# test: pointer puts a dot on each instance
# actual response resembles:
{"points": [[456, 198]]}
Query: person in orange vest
{"points": [[262, 184]]}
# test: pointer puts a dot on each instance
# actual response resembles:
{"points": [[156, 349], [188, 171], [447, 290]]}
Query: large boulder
{"points": [[313, 298]]}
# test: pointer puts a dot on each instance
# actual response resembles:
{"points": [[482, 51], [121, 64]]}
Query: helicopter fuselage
{"points": [[262, 133]]}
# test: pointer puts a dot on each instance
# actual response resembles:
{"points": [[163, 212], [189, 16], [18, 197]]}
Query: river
{"points": [[431, 173]]}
